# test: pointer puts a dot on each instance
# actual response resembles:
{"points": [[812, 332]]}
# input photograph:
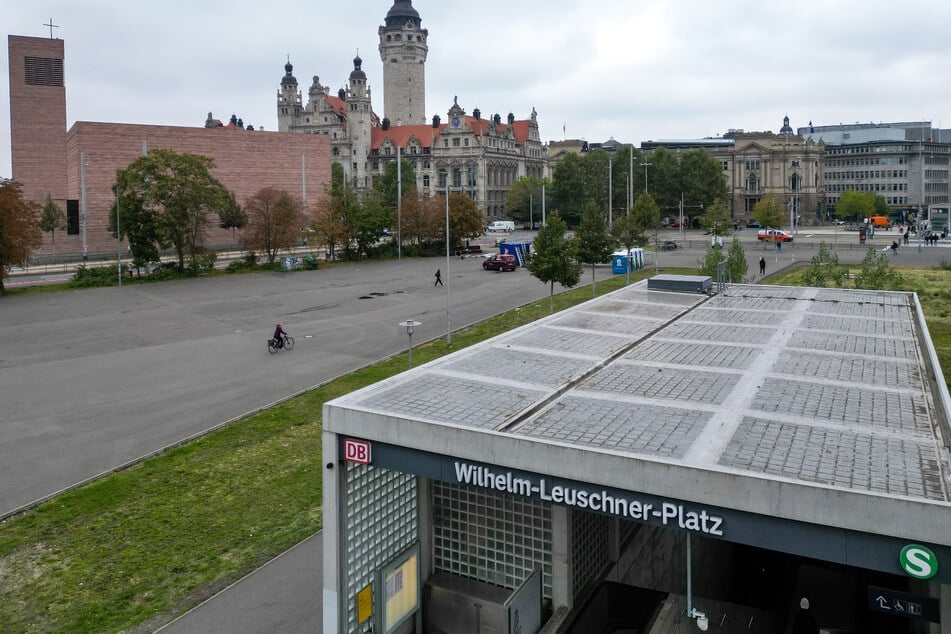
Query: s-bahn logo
{"points": [[918, 561], [356, 451]]}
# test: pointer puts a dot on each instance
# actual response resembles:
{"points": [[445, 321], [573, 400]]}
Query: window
{"points": [[72, 217], [455, 142], [426, 180], [752, 183]]}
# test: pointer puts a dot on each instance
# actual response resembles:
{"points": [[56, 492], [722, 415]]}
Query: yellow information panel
{"points": [[365, 604], [400, 593]]}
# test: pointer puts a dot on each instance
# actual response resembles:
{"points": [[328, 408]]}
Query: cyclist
{"points": [[279, 336]]}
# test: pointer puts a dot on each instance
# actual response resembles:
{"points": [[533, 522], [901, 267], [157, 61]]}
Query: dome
{"points": [[357, 72], [288, 77], [401, 12]]}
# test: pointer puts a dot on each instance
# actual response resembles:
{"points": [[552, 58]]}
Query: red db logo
{"points": [[356, 451]]}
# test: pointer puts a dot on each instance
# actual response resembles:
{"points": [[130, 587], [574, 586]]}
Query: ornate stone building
{"points": [[787, 165], [481, 157]]}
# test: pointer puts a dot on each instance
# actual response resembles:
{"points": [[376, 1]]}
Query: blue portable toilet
{"points": [[637, 259], [618, 264]]}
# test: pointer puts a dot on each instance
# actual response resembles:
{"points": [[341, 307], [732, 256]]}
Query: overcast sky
{"points": [[634, 70]]}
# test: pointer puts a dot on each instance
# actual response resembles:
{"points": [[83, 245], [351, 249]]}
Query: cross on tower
{"points": [[52, 26]]}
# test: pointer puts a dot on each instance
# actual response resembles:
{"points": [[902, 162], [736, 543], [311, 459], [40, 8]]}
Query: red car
{"points": [[500, 262]]}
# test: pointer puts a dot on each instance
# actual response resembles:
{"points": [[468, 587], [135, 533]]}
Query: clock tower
{"points": [[403, 50]]}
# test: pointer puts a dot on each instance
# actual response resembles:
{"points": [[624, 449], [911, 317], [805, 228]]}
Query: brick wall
{"points": [[38, 118], [245, 162]]}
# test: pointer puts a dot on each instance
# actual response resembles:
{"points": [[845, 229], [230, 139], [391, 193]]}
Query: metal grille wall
{"points": [[382, 521], [589, 548], [491, 537], [43, 71]]}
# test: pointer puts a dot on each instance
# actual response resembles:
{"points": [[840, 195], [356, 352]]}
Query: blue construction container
{"points": [[521, 250]]}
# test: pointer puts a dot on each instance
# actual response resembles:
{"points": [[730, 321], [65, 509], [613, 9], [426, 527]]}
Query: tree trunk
{"points": [[551, 298], [592, 281]]}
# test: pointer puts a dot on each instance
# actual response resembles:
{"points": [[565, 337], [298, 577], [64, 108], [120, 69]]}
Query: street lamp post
{"points": [[409, 324], [610, 191], [448, 271], [646, 165], [118, 238]]}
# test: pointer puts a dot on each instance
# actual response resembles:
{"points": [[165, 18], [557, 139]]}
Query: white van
{"points": [[502, 225]]}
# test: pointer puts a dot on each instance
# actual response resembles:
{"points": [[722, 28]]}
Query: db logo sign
{"points": [[356, 451]]}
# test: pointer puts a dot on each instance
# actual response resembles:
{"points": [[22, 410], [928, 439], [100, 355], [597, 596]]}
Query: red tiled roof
{"points": [[400, 135], [339, 105], [428, 135]]}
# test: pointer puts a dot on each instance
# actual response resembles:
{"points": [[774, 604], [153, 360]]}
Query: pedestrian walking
{"points": [[894, 248], [905, 239], [762, 266], [438, 281]]}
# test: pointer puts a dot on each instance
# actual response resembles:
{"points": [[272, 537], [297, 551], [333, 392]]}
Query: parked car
{"points": [[668, 245], [773, 234], [500, 262], [752, 224]]}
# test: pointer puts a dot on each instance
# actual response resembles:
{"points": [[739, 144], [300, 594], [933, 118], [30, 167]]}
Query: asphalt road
{"points": [[91, 380]]}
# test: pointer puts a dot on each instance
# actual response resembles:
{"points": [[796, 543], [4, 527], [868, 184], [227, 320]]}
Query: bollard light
{"points": [[409, 324]]}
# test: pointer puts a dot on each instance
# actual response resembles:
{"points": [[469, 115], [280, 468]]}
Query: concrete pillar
{"points": [[333, 577], [561, 562]]}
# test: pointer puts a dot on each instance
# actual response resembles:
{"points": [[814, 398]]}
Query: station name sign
{"points": [[666, 513]]}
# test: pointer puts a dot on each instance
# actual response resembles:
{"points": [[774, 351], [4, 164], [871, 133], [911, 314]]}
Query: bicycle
{"points": [[273, 345]]}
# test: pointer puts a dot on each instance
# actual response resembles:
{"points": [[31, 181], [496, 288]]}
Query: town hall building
{"points": [[482, 157]]}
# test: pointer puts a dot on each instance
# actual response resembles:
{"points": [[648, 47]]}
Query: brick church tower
{"points": [[38, 117], [403, 49]]}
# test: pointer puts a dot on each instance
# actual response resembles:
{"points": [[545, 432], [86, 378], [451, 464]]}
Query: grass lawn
{"points": [[154, 540]]}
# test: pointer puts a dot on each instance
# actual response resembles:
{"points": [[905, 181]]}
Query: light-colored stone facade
{"points": [[482, 157], [785, 166], [403, 51]]}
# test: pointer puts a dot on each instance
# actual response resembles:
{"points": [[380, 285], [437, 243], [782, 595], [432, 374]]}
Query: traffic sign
{"points": [[902, 604], [918, 561]]}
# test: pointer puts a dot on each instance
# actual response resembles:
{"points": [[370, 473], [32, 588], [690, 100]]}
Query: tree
{"points": [[876, 273], [179, 191], [274, 221], [231, 216], [716, 219], [855, 205], [422, 218], [768, 212], [701, 181], [465, 219], [137, 223], [524, 198], [646, 215], [568, 188], [736, 264], [52, 219], [368, 220], [332, 216], [824, 269], [387, 186], [710, 263], [20, 232], [664, 178], [554, 257], [595, 244]]}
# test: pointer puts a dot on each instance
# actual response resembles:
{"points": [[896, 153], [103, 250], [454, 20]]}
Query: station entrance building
{"points": [[652, 461]]}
